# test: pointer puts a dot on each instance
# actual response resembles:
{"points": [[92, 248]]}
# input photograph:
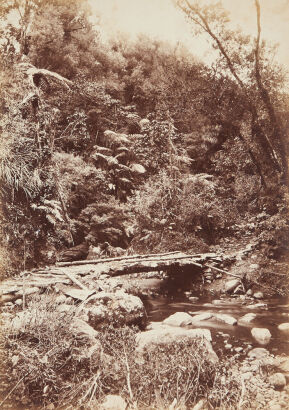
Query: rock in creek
{"points": [[179, 319], [258, 295], [248, 318], [229, 320], [284, 327], [261, 335]]}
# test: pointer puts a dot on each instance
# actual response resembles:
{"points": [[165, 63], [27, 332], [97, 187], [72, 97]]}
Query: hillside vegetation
{"points": [[136, 146]]}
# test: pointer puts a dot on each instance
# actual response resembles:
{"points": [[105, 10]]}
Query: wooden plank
{"points": [[76, 281], [103, 260]]}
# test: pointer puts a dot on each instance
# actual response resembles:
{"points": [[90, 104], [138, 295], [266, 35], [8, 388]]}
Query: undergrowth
{"points": [[48, 363]]}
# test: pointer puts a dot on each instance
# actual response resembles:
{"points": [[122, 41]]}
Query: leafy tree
{"points": [[257, 81]]}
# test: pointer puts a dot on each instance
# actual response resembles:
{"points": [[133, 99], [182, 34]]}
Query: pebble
{"points": [[228, 346], [193, 298], [238, 349], [18, 302]]}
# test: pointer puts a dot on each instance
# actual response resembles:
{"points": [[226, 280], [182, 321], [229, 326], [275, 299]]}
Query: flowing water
{"points": [[274, 312]]}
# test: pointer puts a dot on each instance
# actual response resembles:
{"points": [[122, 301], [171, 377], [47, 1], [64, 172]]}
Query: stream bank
{"points": [[203, 310]]}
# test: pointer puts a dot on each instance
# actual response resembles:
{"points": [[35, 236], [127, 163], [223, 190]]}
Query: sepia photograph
{"points": [[144, 205]]}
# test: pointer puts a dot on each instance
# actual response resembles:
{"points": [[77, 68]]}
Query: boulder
{"points": [[229, 320], [277, 380], [261, 335], [249, 292], [117, 307], [168, 334], [113, 402], [231, 285], [248, 318], [284, 327], [179, 319], [258, 295]]}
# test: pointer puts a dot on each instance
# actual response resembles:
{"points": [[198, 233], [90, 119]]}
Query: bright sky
{"points": [[160, 19]]}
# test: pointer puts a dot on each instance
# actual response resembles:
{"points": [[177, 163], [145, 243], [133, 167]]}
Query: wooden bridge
{"points": [[85, 273]]}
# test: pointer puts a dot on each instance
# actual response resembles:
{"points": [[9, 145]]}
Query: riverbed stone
{"points": [[258, 295], [277, 380], [179, 319], [193, 298], [284, 327], [261, 335], [248, 318], [249, 292], [258, 306], [228, 346], [229, 320], [231, 285]]}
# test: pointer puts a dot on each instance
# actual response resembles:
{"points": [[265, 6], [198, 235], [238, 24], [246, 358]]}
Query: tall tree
{"points": [[246, 62]]}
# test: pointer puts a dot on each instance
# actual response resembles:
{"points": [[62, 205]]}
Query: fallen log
{"points": [[120, 258], [151, 266]]}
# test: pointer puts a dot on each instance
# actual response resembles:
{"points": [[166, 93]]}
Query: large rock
{"points": [[231, 285], [164, 334], [277, 380], [118, 308], [284, 327], [179, 319], [261, 335]]}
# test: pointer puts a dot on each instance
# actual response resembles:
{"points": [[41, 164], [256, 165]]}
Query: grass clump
{"points": [[51, 364]]}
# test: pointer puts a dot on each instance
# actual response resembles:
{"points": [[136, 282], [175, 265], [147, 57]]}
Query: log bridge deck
{"points": [[80, 273]]}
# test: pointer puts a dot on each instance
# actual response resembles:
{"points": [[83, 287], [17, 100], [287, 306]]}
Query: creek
{"points": [[274, 312]]}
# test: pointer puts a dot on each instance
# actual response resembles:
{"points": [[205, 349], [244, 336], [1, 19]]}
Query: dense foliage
{"points": [[135, 144]]}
